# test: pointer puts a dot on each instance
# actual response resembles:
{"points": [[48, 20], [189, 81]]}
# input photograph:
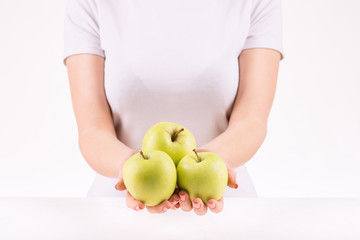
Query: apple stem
{"points": [[197, 155], [176, 134], [142, 154]]}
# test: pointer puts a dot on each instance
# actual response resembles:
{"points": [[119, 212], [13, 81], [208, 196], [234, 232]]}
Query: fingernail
{"points": [[182, 197], [137, 208], [212, 205], [236, 186], [196, 205], [173, 202], [166, 208]]}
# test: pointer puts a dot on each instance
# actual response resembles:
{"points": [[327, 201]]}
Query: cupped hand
{"points": [[200, 208], [131, 202]]}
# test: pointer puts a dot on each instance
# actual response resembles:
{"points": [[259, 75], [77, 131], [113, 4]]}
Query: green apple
{"points": [[203, 175], [174, 139], [150, 177]]}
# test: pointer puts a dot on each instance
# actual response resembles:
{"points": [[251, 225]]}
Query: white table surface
{"points": [[241, 218]]}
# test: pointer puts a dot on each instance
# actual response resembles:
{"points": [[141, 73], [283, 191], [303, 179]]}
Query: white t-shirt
{"points": [[171, 60]]}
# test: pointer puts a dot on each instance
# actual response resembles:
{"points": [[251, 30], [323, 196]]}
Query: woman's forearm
{"points": [[239, 142], [104, 152]]}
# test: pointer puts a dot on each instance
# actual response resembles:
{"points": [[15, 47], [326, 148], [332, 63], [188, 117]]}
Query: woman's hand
{"points": [[200, 208], [131, 202]]}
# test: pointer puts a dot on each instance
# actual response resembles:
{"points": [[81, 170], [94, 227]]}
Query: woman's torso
{"points": [[174, 61]]}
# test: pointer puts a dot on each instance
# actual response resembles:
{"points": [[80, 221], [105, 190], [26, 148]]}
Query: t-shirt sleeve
{"points": [[265, 26], [81, 29]]}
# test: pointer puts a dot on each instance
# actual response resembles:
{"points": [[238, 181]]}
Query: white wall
{"points": [[313, 144]]}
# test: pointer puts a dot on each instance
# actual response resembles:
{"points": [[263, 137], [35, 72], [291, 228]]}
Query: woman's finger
{"points": [[161, 208], [120, 186], [132, 203], [232, 178], [174, 200], [216, 206], [185, 202], [199, 207]]}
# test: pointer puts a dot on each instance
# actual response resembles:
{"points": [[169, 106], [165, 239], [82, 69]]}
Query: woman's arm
{"points": [[248, 121], [97, 138]]}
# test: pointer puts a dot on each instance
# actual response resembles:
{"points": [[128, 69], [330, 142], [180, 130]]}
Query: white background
{"points": [[313, 144]]}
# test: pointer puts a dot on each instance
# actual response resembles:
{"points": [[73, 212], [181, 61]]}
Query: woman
{"points": [[209, 65]]}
